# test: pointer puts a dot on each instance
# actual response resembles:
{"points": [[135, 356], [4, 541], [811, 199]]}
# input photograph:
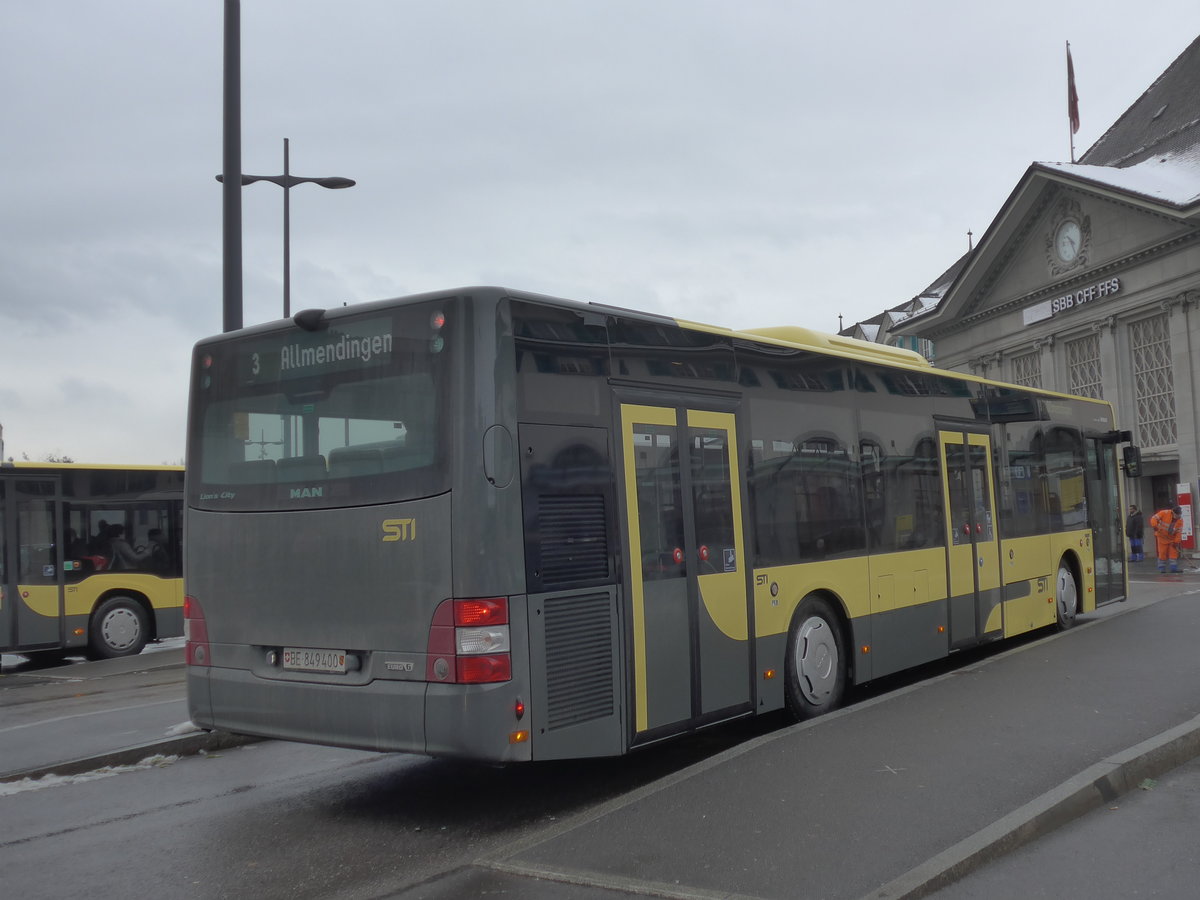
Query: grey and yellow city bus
{"points": [[90, 557], [494, 525]]}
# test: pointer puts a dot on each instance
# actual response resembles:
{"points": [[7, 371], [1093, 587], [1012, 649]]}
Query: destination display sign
{"points": [[350, 346]]}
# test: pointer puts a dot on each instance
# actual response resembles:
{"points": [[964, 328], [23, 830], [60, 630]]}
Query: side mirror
{"points": [[1132, 462]]}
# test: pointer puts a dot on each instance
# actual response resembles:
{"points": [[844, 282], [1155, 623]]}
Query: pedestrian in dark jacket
{"points": [[1135, 530]]}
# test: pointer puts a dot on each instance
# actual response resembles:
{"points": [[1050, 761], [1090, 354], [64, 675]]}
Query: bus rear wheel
{"points": [[119, 627], [1066, 595], [815, 667]]}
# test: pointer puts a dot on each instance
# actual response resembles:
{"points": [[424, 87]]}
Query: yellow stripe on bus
{"points": [[638, 415]]}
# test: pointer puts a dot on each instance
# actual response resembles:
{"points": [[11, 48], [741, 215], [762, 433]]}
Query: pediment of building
{"points": [[1067, 237]]}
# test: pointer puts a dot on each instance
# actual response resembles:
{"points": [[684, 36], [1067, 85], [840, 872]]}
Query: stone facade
{"points": [[1088, 282]]}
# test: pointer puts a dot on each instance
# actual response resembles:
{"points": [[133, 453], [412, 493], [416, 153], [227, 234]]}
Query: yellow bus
{"points": [[490, 524], [90, 557]]}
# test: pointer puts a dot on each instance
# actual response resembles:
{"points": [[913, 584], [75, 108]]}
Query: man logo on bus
{"points": [[399, 530]]}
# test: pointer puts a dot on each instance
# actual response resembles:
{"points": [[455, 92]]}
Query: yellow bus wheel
{"points": [[1066, 595], [816, 660], [119, 627]]}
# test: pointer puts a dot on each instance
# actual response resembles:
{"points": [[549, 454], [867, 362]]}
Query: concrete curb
{"points": [[185, 745], [1095, 786]]}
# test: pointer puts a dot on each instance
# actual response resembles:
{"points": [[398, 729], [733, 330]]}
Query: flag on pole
{"points": [[1072, 97]]}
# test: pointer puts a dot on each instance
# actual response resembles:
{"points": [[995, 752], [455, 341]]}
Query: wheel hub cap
{"points": [[816, 660], [120, 629]]}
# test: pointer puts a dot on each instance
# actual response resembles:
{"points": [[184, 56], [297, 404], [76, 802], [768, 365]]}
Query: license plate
{"points": [[303, 659]]}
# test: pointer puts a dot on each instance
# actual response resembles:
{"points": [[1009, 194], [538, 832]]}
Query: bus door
{"points": [[31, 610], [1106, 518], [972, 544], [689, 599]]}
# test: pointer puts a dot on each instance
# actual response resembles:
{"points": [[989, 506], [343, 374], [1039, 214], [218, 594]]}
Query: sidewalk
{"points": [[1149, 566], [1140, 845]]}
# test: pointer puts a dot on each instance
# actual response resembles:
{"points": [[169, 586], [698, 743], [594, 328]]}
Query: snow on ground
{"points": [[50, 781]]}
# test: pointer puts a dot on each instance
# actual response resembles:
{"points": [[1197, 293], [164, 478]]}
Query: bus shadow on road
{"points": [[452, 794]]}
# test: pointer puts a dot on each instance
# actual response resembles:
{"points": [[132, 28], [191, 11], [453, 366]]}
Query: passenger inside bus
{"points": [[98, 543], [74, 546], [157, 556], [123, 555]]}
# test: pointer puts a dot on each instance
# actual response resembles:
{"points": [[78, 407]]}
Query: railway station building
{"points": [[1087, 281]]}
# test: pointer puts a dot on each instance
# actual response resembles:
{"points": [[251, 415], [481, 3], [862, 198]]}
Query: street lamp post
{"points": [[287, 181]]}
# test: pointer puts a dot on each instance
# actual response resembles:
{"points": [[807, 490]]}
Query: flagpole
{"points": [[1070, 130], [1072, 103]]}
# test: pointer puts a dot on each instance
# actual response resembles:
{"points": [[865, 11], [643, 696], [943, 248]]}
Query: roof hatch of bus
{"points": [[806, 337]]}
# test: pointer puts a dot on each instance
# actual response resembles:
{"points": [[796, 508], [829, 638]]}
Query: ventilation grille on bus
{"points": [[579, 659], [574, 538]]}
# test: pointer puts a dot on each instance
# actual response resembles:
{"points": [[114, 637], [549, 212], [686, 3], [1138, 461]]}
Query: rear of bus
{"points": [[353, 556]]}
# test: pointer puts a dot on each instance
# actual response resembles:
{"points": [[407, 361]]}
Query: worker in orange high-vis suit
{"points": [[1168, 534]]}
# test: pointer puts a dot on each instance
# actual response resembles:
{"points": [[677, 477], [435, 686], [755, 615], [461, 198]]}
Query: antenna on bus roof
{"points": [[310, 319]]}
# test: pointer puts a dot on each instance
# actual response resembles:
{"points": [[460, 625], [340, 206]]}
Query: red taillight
{"points": [[484, 669], [195, 634], [469, 642], [492, 611]]}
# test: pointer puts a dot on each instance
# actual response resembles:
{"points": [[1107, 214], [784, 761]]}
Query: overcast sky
{"points": [[744, 163]]}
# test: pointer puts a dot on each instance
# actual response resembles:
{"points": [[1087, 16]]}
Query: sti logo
{"points": [[399, 530]]}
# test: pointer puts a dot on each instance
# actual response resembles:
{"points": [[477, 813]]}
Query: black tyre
{"points": [[119, 627], [1066, 595], [816, 660]]}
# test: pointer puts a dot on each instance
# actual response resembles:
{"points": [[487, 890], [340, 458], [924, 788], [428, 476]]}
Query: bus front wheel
{"points": [[1066, 595], [816, 660], [119, 627]]}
